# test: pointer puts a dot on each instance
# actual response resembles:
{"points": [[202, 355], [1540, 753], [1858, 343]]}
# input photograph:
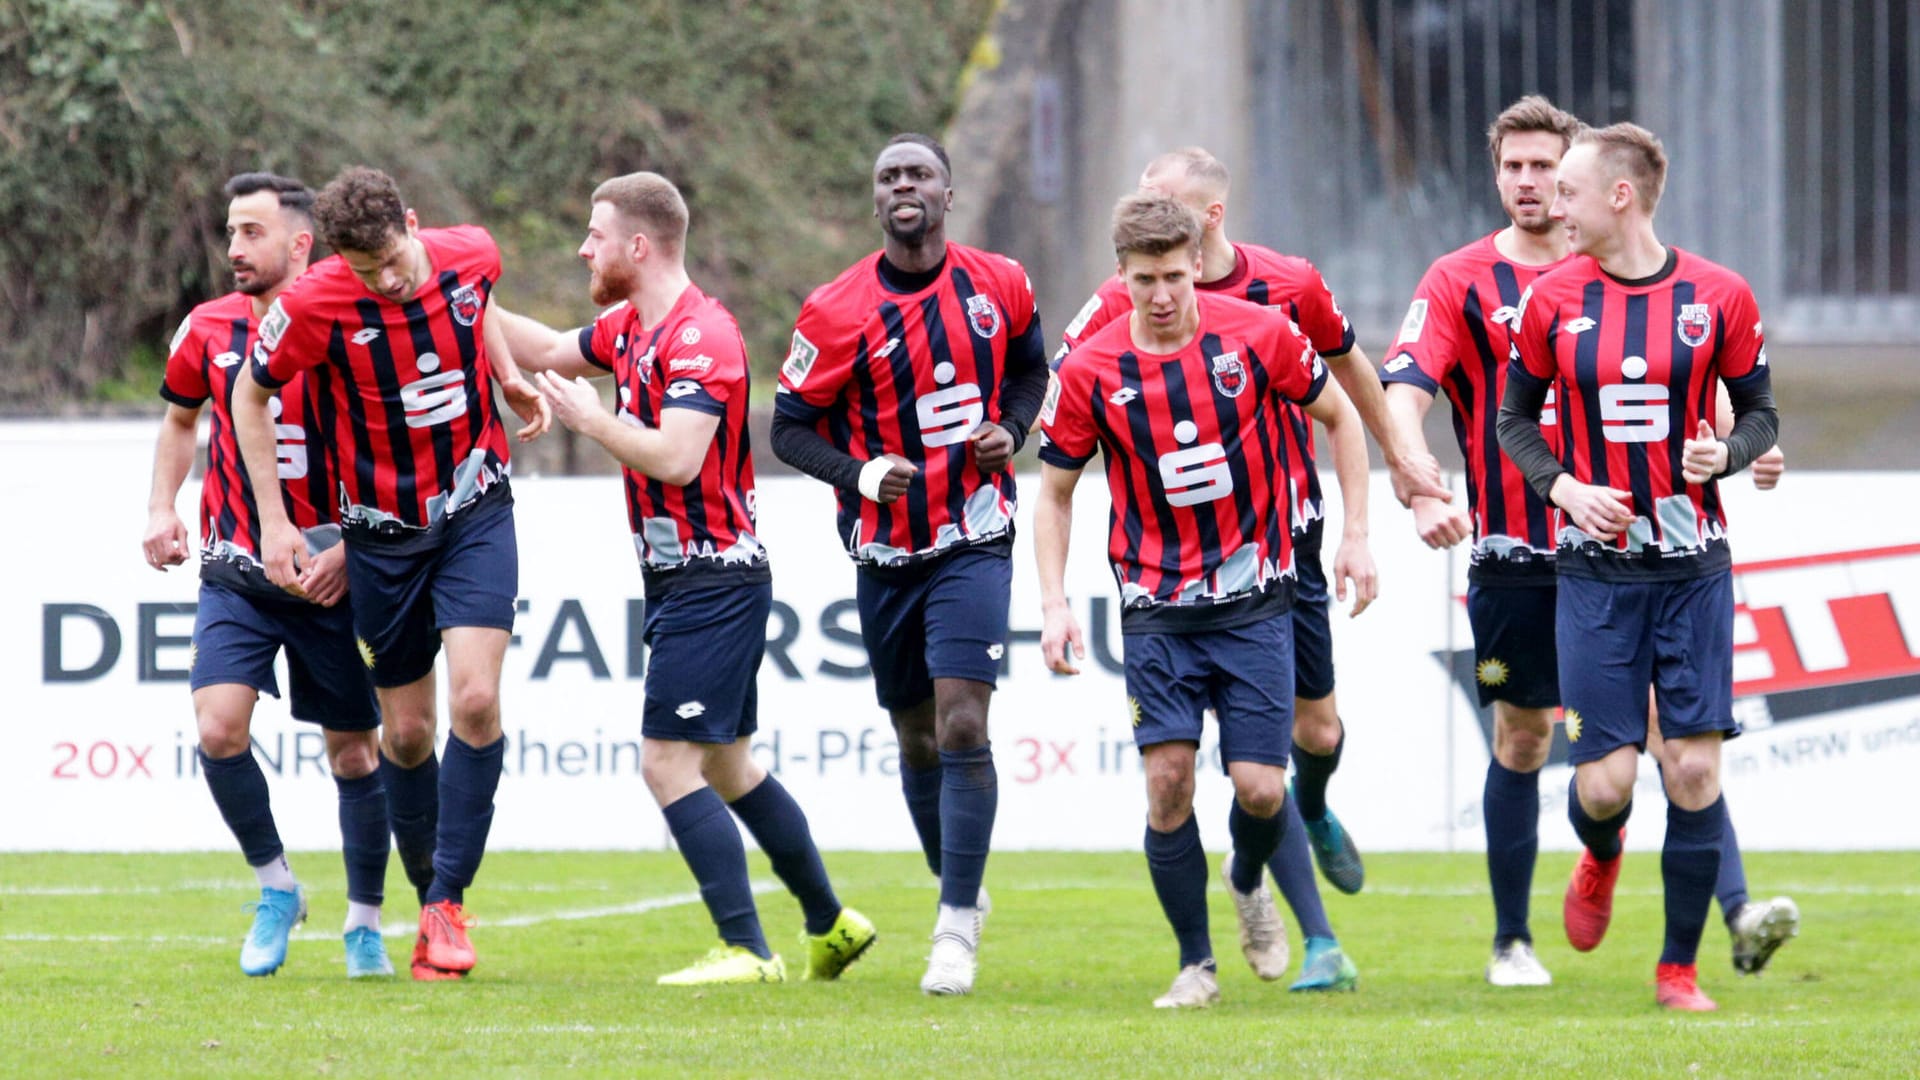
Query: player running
{"points": [[396, 326], [1456, 338], [242, 619], [912, 381], [680, 433], [1636, 335], [1184, 399]]}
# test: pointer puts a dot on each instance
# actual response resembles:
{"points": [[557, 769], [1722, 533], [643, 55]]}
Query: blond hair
{"points": [[1632, 152]]}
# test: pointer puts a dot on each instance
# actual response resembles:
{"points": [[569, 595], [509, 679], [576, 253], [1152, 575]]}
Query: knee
{"points": [[354, 756], [669, 776], [1261, 796], [1691, 776], [1522, 744], [221, 735], [962, 725], [918, 747], [1169, 795], [474, 701], [407, 740], [1603, 795], [1316, 726]]}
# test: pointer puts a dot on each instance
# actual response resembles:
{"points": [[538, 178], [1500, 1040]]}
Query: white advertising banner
{"points": [[97, 749]]}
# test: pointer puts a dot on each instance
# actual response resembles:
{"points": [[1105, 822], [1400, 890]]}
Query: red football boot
{"points": [[1677, 986], [1589, 904]]}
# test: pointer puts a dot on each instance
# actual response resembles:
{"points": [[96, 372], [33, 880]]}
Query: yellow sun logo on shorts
{"points": [[1573, 725], [1492, 672], [1133, 709], [366, 652], [193, 654]]}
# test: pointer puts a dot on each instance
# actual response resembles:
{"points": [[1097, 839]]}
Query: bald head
{"points": [[1189, 174]]}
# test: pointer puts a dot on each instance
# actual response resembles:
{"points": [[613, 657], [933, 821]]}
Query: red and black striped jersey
{"points": [[411, 421], [1639, 365], [1260, 276], [202, 363], [1197, 451], [882, 372], [1457, 337], [694, 358]]}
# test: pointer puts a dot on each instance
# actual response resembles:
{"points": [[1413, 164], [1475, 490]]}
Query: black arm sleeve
{"points": [[1023, 386], [1519, 429], [1756, 423], [796, 442]]}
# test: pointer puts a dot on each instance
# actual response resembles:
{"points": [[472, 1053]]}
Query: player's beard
{"points": [[613, 284], [265, 278], [913, 235]]}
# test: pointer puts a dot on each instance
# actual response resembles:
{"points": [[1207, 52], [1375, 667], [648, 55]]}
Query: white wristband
{"points": [[871, 474]]}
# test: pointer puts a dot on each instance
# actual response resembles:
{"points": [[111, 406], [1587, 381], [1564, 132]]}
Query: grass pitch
{"points": [[128, 965]]}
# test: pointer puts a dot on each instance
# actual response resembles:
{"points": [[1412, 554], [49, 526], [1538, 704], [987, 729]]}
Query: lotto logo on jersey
{"points": [[1196, 474], [464, 304]]}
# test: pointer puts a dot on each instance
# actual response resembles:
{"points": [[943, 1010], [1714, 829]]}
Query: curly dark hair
{"points": [[360, 210]]}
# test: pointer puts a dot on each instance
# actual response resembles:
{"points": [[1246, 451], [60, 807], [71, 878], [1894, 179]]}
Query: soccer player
{"points": [[242, 619], [1636, 334], [395, 326], [1184, 399], [912, 381], [1291, 284], [680, 433], [1456, 337]]}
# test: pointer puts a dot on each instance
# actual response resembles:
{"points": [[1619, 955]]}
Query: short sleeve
{"points": [[1743, 348], [818, 362], [1068, 439], [600, 339], [185, 381], [1320, 318], [1426, 349], [291, 340], [1107, 303], [705, 366], [1532, 350], [1296, 371]]}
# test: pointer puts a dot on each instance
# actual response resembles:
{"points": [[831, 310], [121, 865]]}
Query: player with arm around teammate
{"points": [[912, 381], [242, 620], [1183, 398], [397, 320], [679, 431], [1638, 335]]}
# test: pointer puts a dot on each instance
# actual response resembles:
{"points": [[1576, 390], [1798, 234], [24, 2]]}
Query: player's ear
{"points": [[413, 222], [641, 247], [302, 245]]}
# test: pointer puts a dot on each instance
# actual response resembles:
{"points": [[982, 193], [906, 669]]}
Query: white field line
{"points": [[637, 907]]}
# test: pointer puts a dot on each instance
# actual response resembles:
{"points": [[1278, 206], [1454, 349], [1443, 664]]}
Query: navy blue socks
{"points": [[240, 791], [710, 843], [780, 828], [969, 797], [468, 778], [1310, 775], [413, 812], [1510, 808], [1732, 886], [1178, 866], [1292, 867], [922, 788], [363, 837], [1689, 866], [1255, 839], [1601, 837]]}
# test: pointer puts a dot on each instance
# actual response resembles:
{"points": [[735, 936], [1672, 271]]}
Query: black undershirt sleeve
{"points": [[798, 443], [1756, 423], [1023, 386], [1519, 429]]}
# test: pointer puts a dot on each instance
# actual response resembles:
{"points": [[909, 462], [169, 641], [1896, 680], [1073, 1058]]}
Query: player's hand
{"points": [[324, 581], [1703, 457], [281, 546], [1060, 639], [1601, 512], [530, 405], [1768, 468], [898, 479], [576, 403], [165, 543], [1354, 562], [1418, 474], [1440, 525], [992, 447]]}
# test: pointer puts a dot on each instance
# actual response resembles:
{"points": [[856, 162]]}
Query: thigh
{"points": [[893, 628], [1166, 688], [1250, 677], [1514, 659], [966, 615], [326, 678], [392, 611], [1604, 677], [704, 648], [1693, 657], [234, 641], [476, 578]]}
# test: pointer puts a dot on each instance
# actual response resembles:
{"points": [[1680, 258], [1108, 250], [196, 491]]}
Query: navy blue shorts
{"points": [[403, 596], [947, 620], [235, 637], [1514, 659], [1676, 636], [704, 647], [1312, 621], [1245, 675]]}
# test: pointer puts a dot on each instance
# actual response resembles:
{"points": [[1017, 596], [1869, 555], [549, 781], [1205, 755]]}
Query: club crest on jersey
{"points": [[1695, 323], [1229, 374], [465, 305], [983, 316]]}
